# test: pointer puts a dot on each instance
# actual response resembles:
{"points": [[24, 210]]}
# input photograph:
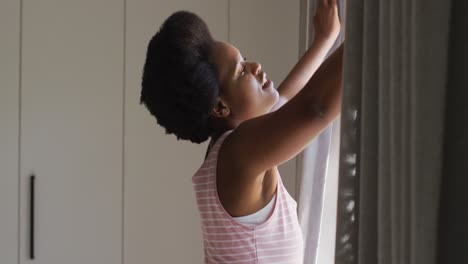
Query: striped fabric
{"points": [[278, 240]]}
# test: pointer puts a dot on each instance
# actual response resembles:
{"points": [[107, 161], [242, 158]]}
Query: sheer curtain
{"points": [[403, 175], [317, 166]]}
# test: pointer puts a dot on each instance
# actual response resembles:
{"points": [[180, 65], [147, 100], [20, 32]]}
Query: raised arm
{"points": [[326, 29], [260, 143]]}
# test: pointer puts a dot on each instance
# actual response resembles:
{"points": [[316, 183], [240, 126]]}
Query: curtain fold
{"points": [[317, 167], [453, 215], [395, 82]]}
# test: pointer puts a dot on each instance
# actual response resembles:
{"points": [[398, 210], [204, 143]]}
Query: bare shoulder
{"points": [[241, 193]]}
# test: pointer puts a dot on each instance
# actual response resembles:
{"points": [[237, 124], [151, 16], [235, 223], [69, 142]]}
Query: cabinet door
{"points": [[9, 129], [72, 130], [161, 219]]}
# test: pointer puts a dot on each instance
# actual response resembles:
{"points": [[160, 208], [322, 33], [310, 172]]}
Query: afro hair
{"points": [[179, 84]]}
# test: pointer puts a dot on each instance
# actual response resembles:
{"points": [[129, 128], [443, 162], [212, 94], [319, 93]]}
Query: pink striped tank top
{"points": [[278, 240]]}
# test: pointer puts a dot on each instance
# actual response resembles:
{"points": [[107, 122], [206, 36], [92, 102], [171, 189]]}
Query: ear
{"points": [[221, 109]]}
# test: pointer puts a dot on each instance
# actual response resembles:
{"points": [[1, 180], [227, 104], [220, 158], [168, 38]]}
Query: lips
{"points": [[267, 84]]}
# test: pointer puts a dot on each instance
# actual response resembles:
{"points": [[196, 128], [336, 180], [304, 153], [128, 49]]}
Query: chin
{"points": [[277, 103]]}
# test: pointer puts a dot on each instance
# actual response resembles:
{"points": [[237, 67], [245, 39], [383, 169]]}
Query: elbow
{"points": [[323, 109], [317, 110]]}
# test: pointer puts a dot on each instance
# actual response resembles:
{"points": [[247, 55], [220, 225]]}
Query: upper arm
{"points": [[263, 142]]}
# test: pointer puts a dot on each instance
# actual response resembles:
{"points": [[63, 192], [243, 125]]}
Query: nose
{"points": [[256, 67]]}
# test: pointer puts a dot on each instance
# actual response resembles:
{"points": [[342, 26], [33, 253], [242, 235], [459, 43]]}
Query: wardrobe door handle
{"points": [[31, 220]]}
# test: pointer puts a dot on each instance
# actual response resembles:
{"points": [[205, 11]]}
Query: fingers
{"points": [[328, 3]]}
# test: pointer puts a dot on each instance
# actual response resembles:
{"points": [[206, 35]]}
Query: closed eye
{"points": [[243, 67]]}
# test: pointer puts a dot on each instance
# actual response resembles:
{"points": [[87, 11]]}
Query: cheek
{"points": [[246, 90], [249, 94]]}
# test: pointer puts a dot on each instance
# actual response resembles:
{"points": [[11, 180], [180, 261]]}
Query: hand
{"points": [[326, 22]]}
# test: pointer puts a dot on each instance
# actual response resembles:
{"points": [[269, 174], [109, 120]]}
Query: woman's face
{"points": [[241, 85]]}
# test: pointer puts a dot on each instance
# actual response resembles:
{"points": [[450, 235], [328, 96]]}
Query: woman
{"points": [[198, 88]]}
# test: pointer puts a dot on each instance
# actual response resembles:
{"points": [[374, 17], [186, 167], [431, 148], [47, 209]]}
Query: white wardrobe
{"points": [[62, 101], [110, 187]]}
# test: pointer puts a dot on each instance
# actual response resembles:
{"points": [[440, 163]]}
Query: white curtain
{"points": [[404, 80], [317, 167]]}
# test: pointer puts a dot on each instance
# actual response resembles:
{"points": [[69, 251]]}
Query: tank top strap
{"points": [[219, 142]]}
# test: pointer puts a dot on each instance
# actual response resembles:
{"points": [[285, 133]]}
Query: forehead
{"points": [[225, 57]]}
